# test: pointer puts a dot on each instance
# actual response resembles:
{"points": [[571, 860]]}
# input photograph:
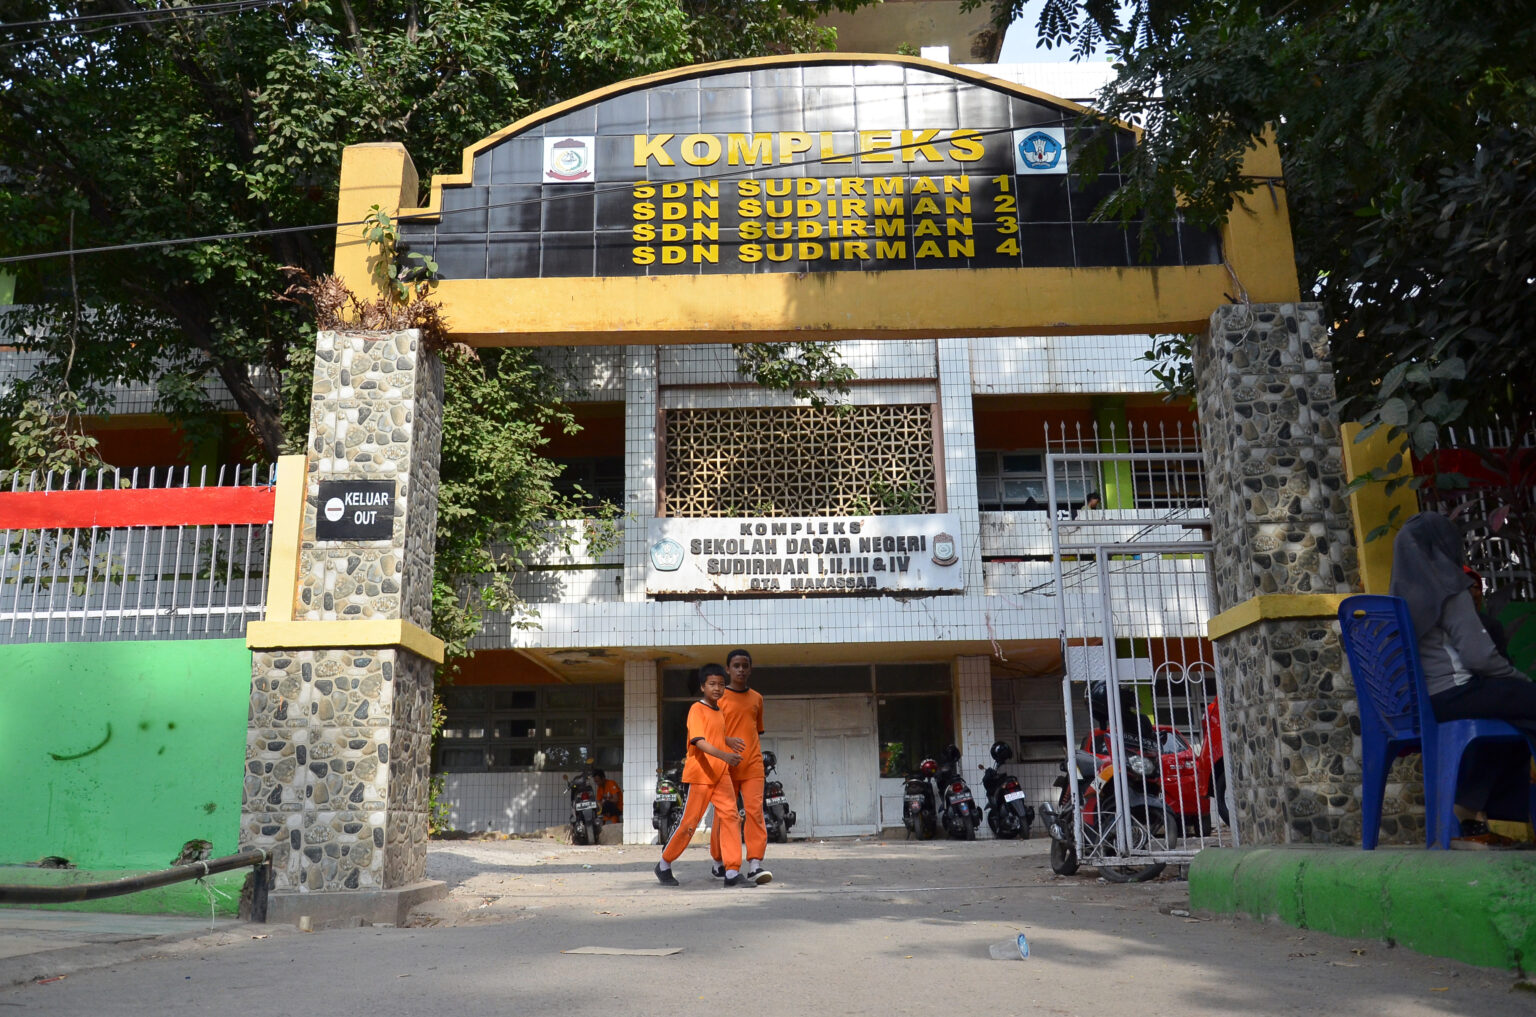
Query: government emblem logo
{"points": [[667, 555], [944, 552], [567, 160], [1041, 150]]}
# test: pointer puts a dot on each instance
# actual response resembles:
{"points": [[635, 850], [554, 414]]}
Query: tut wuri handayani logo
{"points": [[1040, 150], [667, 555]]}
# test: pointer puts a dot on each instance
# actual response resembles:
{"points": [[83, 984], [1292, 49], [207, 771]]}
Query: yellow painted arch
{"points": [[1259, 266]]}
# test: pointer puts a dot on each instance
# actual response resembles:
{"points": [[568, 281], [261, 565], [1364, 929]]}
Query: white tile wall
{"points": [[789, 620], [871, 360], [559, 586], [1151, 596], [642, 723], [639, 466], [959, 431], [891, 804], [507, 802], [593, 373], [1022, 365], [973, 697], [874, 394], [570, 542]]}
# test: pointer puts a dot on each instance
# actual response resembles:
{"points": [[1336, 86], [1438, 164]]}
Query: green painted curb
{"points": [[1474, 907]]}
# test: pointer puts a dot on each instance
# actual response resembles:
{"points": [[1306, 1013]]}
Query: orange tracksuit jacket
{"points": [[709, 783], [743, 712]]}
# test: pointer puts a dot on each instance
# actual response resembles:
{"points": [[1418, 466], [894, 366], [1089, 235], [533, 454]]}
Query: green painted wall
{"points": [[1116, 482], [116, 754]]}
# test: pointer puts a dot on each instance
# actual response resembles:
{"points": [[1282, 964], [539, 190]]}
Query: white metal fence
{"points": [[189, 580]]}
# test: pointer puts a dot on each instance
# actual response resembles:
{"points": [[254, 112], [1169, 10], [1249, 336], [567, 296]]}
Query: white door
{"points": [[829, 761]]}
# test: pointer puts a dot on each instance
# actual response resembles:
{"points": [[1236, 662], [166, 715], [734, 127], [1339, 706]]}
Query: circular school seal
{"points": [[667, 555], [944, 550], [568, 160]]}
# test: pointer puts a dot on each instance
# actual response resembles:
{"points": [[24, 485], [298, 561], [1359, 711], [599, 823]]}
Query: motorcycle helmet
{"points": [[1001, 753], [1098, 700], [769, 759], [928, 768], [952, 753], [1134, 725]]}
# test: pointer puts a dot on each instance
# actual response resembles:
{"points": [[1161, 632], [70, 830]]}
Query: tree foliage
{"points": [[123, 123], [1407, 129]]}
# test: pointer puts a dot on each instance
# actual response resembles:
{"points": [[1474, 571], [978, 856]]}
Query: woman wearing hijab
{"points": [[1466, 676]]}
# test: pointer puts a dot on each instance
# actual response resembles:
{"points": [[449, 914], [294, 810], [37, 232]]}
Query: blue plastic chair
{"points": [[1382, 663], [1383, 652]]}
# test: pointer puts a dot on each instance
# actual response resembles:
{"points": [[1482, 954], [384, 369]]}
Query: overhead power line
{"points": [[147, 14]]}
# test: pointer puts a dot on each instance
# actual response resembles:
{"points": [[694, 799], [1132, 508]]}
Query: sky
{"points": [[1021, 44]]}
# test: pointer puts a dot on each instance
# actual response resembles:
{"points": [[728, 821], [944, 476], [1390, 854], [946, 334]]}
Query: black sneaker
{"points": [[739, 880], [717, 870], [665, 876], [760, 876]]}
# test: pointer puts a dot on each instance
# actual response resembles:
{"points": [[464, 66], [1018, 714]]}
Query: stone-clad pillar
{"points": [[1284, 557], [337, 759]]}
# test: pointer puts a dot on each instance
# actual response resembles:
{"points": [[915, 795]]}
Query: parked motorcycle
{"points": [[586, 818], [1008, 814], [1144, 806], [671, 796], [959, 816], [778, 817], [918, 814]]}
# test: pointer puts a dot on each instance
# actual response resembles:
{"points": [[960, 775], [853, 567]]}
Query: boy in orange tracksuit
{"points": [[609, 796], [708, 776], [743, 710]]}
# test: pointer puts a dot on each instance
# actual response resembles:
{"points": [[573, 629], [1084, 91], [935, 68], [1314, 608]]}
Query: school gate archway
{"points": [[824, 195]]}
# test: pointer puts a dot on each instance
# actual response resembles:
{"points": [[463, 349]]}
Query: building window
{"points": [[500, 728], [1015, 482], [592, 481]]}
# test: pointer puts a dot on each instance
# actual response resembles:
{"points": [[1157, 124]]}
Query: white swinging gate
{"points": [[1134, 594]]}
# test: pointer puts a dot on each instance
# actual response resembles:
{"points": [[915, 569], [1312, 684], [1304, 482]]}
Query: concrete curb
{"points": [[1474, 907], [72, 959]]}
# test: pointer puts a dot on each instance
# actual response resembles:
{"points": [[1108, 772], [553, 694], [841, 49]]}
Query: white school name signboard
{"points": [[815, 555]]}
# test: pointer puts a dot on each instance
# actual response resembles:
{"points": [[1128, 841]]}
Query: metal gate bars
{"points": [[1144, 768]]}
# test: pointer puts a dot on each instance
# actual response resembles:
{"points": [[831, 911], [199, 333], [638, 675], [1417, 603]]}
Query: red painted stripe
{"points": [[174, 506]]}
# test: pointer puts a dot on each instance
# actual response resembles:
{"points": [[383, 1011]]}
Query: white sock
{"points": [[732, 873], [665, 866], [753, 865]]}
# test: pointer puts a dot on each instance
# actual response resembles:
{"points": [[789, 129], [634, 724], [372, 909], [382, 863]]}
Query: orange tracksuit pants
{"points": [[727, 823], [752, 826]]}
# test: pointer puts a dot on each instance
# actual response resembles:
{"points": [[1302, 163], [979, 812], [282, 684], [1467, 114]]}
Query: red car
{"points": [[1185, 776]]}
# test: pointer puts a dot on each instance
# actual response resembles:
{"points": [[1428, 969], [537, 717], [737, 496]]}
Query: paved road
{"points": [[847, 927]]}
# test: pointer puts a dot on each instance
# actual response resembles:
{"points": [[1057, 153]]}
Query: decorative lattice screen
{"points": [[790, 461]]}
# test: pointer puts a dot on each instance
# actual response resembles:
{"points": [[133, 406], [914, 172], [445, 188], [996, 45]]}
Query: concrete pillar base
{"points": [[344, 909]]}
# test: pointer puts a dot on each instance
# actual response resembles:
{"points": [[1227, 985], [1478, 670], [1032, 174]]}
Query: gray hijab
{"points": [[1427, 557]]}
